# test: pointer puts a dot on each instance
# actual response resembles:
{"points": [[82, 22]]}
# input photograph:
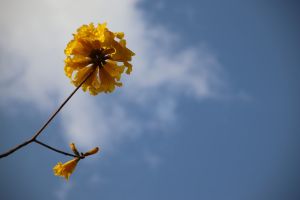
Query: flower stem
{"points": [[34, 137], [56, 150]]}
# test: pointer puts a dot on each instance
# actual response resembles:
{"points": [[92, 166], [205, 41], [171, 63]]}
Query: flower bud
{"points": [[91, 152], [74, 149]]}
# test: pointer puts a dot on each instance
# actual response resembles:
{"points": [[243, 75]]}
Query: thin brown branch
{"points": [[47, 122], [60, 107], [56, 150], [15, 148]]}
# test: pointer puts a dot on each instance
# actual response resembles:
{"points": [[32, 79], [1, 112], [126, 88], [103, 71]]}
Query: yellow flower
{"points": [[66, 169], [100, 53]]}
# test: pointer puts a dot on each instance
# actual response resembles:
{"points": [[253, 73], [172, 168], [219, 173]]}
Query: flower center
{"points": [[99, 57]]}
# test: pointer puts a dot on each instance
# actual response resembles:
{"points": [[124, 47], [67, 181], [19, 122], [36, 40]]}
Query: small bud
{"points": [[91, 152], [74, 149]]}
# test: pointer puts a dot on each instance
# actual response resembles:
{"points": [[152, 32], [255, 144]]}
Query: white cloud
{"points": [[34, 34]]}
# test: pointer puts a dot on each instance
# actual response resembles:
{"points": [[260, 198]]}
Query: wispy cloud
{"points": [[33, 44]]}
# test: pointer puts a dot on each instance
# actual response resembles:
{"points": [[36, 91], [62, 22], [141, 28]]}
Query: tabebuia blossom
{"points": [[102, 55]]}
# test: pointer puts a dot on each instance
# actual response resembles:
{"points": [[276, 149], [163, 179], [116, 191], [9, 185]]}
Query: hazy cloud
{"points": [[33, 36]]}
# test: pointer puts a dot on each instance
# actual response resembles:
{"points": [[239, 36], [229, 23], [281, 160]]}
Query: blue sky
{"points": [[210, 112]]}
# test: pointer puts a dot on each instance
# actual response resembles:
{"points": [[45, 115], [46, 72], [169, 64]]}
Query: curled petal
{"points": [[119, 35]]}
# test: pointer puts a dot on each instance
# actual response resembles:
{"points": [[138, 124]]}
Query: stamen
{"points": [[99, 57]]}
